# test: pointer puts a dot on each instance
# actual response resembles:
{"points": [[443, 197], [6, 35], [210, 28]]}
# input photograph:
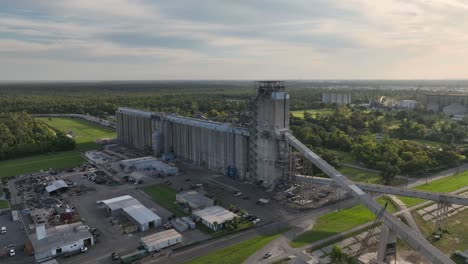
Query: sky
{"points": [[238, 39]]}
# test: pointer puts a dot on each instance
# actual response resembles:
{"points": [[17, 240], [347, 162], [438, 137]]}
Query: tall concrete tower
{"points": [[268, 153]]}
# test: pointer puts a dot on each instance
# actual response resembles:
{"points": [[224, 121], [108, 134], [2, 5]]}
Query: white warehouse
{"points": [[214, 216], [58, 240], [138, 214], [158, 241]]}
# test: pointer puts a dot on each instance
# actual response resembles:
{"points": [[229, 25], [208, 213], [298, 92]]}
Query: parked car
{"points": [[267, 255], [256, 221], [245, 198], [3, 230], [12, 252], [115, 256], [236, 194]]}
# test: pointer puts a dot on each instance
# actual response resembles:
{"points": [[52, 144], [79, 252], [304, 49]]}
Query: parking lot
{"points": [[14, 238]]}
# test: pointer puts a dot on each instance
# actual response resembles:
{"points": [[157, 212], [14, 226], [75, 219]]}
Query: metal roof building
{"points": [[115, 204], [194, 199], [160, 240], [58, 240], [214, 214], [142, 216], [56, 185], [137, 213]]}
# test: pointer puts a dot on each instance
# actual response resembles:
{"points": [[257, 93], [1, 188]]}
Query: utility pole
{"points": [[277, 218]]}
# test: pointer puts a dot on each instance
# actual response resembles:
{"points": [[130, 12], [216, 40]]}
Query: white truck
{"points": [[161, 240]]}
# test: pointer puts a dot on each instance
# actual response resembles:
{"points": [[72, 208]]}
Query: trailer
{"points": [[161, 240], [134, 256]]}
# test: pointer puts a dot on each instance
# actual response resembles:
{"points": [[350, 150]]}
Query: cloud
{"points": [[235, 39]]}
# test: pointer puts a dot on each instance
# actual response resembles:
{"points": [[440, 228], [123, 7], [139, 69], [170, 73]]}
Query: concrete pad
{"points": [[355, 247], [317, 253], [327, 249], [421, 212], [361, 236], [347, 242], [428, 217]]}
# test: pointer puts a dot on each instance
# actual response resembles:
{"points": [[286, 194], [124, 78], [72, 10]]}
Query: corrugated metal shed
{"points": [[56, 185], [195, 199], [120, 202], [214, 214], [141, 214], [156, 238]]}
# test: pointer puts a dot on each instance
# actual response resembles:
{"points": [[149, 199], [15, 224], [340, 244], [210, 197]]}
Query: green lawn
{"points": [[360, 175], [444, 185], [314, 112], [344, 156], [430, 143], [4, 204], [166, 197], [455, 239], [337, 222], [85, 134], [235, 254]]}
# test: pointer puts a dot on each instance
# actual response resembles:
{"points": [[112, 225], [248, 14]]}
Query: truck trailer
{"points": [[161, 240]]}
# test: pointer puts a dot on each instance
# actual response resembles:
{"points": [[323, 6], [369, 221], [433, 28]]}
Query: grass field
{"points": [[85, 134], [455, 239], [444, 185], [360, 175], [314, 112], [166, 197], [345, 157], [4, 204], [337, 222], [235, 254]]}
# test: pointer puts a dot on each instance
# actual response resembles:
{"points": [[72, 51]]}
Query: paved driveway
{"points": [[15, 235]]}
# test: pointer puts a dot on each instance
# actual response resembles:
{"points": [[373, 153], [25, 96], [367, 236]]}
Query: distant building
{"points": [[194, 200], [59, 240], [437, 102], [455, 109], [407, 104], [214, 217], [336, 98]]}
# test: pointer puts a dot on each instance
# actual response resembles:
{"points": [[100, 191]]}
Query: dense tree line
{"points": [[212, 99], [372, 141], [21, 135]]}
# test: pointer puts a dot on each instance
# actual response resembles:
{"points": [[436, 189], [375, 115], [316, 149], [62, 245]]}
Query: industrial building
{"points": [[142, 217], [336, 98], [407, 104], [255, 153], [59, 240], [160, 240], [213, 217], [194, 200], [138, 214], [148, 163], [451, 104], [56, 186]]}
